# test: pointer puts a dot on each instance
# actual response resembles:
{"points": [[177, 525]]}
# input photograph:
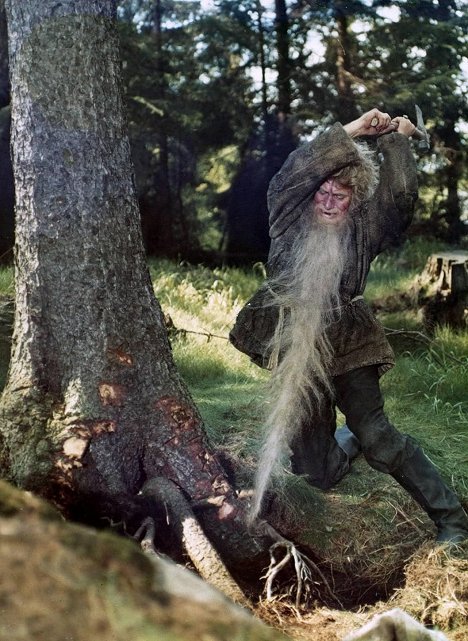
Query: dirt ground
{"points": [[434, 592], [63, 581]]}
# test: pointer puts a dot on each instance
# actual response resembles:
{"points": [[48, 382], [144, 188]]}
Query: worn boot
{"points": [[421, 479], [348, 442]]}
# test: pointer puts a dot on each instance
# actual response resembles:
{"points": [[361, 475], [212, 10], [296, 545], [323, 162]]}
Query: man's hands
{"points": [[377, 123], [403, 126]]}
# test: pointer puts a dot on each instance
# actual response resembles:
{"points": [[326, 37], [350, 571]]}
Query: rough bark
{"points": [[93, 405]]}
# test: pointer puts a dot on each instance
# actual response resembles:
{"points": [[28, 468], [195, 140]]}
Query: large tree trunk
{"points": [[93, 406]]}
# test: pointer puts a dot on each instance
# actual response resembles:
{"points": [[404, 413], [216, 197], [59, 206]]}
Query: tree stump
{"points": [[442, 290]]}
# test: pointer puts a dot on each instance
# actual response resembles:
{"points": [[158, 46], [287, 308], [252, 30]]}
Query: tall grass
{"points": [[226, 387], [426, 393]]}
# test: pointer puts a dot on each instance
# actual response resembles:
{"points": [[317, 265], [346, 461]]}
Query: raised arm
{"points": [[391, 209], [293, 187]]}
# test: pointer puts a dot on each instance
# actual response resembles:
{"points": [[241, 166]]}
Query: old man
{"points": [[334, 207]]}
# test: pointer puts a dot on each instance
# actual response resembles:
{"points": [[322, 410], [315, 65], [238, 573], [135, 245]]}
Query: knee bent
{"points": [[386, 449]]}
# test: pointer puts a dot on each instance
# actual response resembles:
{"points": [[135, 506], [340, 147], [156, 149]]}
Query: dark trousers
{"points": [[315, 452]]}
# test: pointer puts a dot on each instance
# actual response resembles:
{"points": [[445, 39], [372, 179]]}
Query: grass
{"points": [[426, 396], [7, 281], [426, 393], [225, 385]]}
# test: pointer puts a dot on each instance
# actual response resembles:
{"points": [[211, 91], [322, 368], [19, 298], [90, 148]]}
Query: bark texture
{"points": [[93, 405]]}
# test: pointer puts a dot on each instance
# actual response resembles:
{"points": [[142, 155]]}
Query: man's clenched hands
{"points": [[377, 123]]}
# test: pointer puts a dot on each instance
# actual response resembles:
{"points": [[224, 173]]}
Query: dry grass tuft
{"points": [[360, 534], [436, 589]]}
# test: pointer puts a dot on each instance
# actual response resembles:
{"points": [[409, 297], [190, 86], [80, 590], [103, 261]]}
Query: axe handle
{"points": [[417, 133]]}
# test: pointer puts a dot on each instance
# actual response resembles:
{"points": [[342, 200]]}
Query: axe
{"points": [[420, 133]]}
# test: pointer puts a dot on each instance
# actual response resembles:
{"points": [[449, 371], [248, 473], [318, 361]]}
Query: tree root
{"points": [[146, 534], [187, 528], [304, 567]]}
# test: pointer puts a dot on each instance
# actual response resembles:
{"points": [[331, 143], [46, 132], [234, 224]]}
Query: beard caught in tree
{"points": [[333, 208]]}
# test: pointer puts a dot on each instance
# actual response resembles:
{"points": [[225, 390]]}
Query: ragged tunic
{"points": [[356, 337]]}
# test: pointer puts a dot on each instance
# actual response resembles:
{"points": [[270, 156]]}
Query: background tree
{"points": [[272, 139], [207, 108], [153, 34], [246, 202], [417, 58], [227, 70], [284, 62], [7, 197], [338, 72], [202, 88]]}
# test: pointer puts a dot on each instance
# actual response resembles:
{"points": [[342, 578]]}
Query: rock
{"points": [[394, 625], [65, 581]]}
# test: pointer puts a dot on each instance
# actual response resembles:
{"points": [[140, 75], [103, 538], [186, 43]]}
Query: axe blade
{"points": [[424, 142]]}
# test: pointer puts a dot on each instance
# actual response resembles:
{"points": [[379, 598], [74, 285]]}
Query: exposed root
{"points": [[187, 528], [306, 571], [146, 534]]}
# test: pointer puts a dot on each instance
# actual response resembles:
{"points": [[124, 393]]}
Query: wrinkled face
{"points": [[331, 202]]}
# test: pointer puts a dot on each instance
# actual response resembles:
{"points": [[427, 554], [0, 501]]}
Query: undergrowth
{"points": [[225, 385], [425, 393]]}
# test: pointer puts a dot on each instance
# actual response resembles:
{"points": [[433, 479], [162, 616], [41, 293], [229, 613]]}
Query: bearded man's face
{"points": [[331, 202]]}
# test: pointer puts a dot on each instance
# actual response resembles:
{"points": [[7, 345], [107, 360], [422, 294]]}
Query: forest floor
{"points": [[370, 537], [371, 541], [434, 592]]}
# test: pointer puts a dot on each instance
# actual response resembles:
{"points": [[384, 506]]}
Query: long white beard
{"points": [[309, 294]]}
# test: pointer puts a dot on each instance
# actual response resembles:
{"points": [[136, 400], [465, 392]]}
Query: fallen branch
{"points": [[415, 335]]}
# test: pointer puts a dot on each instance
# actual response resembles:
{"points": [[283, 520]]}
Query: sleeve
{"points": [[303, 172], [391, 209]]}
